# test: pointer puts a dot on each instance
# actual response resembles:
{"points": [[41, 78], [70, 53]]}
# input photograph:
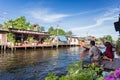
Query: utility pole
{"points": [[87, 36], [57, 37], [4, 17], [58, 34]]}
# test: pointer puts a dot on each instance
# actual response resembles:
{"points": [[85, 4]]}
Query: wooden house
{"points": [[3, 37], [22, 36]]}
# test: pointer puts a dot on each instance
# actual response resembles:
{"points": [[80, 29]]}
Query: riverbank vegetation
{"points": [[77, 71]]}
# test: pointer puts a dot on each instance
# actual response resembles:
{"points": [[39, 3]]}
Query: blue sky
{"points": [[82, 17]]}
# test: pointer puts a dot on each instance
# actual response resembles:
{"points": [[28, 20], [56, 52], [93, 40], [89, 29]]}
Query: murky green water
{"points": [[35, 64]]}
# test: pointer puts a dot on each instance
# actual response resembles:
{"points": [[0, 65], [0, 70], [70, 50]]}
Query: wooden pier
{"points": [[34, 46], [25, 46]]}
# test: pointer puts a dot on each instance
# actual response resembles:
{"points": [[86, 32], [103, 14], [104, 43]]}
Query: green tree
{"points": [[108, 38], [57, 31], [10, 37], [41, 29], [19, 23], [61, 32], [1, 26], [69, 33], [8, 24], [50, 30]]}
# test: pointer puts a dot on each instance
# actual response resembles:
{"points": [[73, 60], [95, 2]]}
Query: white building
{"points": [[73, 40]]}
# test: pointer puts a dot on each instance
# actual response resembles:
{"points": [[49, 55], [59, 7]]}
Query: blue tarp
{"points": [[62, 38]]}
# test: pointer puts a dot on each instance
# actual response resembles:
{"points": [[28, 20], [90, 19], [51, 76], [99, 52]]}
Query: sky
{"points": [[82, 17]]}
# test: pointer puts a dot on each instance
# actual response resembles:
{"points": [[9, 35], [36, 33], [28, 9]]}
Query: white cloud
{"points": [[100, 28], [98, 23], [46, 15], [91, 11], [111, 12], [109, 15]]}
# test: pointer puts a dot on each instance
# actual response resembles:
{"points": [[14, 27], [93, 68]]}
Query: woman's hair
{"points": [[92, 42], [108, 43]]}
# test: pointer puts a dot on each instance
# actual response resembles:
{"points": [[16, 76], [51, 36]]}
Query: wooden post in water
{"points": [[4, 47], [1, 47], [52, 47], [12, 49], [15, 49], [25, 48], [42, 47], [66, 45], [34, 47]]}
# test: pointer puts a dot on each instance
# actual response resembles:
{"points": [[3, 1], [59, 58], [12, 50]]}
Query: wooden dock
{"points": [[111, 65], [34, 46], [25, 46], [39, 45]]}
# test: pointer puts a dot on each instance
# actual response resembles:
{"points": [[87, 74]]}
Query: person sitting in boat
{"points": [[108, 54]]}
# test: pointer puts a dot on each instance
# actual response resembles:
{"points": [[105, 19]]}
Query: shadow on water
{"points": [[35, 64]]}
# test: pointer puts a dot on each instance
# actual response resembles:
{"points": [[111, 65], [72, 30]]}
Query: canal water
{"points": [[35, 64]]}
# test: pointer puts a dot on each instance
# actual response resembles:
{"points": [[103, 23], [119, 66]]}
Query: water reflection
{"points": [[35, 64]]}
